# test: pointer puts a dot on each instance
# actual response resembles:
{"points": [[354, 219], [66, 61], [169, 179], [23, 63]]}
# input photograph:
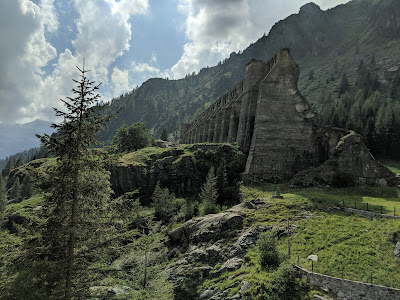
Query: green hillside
{"points": [[326, 44]]}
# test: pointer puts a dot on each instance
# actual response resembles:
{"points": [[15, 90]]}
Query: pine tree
{"points": [[163, 202], [15, 192], [79, 190], [27, 189], [3, 194], [209, 193], [164, 135], [344, 84]]}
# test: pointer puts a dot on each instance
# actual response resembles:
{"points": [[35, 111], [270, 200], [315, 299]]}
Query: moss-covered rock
{"points": [[182, 169]]}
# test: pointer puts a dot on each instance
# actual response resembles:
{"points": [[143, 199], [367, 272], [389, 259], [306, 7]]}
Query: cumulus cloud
{"points": [[120, 80], [25, 52], [103, 34], [217, 28]]}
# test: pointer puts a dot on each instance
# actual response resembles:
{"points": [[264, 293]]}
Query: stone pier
{"points": [[270, 120]]}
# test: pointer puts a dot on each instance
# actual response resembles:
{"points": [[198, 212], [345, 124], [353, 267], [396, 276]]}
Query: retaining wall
{"points": [[346, 289]]}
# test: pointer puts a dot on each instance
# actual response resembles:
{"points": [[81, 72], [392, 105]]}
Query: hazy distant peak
{"points": [[309, 9]]}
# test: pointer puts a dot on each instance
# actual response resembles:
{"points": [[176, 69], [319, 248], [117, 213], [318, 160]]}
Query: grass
{"points": [[140, 157], [143, 156], [348, 246], [28, 204]]}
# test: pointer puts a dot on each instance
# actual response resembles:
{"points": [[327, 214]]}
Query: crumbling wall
{"points": [[350, 164], [279, 133]]}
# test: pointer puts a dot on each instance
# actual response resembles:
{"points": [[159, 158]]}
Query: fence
{"points": [[369, 210]]}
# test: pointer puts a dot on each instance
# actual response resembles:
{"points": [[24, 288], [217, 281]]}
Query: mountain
{"points": [[19, 137], [321, 41]]}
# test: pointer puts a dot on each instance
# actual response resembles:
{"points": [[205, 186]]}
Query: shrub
{"points": [[287, 284], [269, 256]]}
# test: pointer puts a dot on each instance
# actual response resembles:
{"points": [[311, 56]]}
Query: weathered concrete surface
{"points": [[276, 128]]}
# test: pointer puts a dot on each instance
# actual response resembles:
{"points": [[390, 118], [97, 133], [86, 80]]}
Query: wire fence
{"points": [[366, 206]]}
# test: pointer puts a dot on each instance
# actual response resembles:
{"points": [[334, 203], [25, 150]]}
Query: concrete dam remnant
{"points": [[277, 130]]}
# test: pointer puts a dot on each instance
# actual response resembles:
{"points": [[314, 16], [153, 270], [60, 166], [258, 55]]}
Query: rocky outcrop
{"points": [[182, 170], [350, 164], [209, 246], [386, 18]]}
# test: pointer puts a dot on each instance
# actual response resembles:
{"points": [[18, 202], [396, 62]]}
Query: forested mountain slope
{"points": [[326, 45]]}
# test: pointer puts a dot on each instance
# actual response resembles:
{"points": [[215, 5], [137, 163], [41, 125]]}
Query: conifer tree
{"points": [[15, 191], [27, 189], [209, 193], [164, 135], [3, 194], [163, 201], [344, 84], [79, 189]]}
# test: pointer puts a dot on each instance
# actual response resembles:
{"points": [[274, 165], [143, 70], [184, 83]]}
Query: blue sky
{"points": [[124, 43]]}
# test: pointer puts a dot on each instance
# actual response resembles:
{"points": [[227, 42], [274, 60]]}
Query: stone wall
{"points": [[345, 289], [276, 128]]}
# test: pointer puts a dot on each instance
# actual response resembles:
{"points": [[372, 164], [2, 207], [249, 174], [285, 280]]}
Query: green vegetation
{"points": [[140, 157], [347, 245], [209, 194], [269, 256], [132, 138]]}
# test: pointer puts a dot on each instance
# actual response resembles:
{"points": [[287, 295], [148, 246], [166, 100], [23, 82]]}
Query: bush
{"points": [[132, 138], [269, 256], [287, 284]]}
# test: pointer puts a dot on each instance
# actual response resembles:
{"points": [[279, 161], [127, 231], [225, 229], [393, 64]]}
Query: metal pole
{"points": [[367, 206], [355, 204], [312, 266], [298, 260], [381, 210], [371, 277], [288, 237]]}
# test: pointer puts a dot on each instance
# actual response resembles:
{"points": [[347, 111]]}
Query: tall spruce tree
{"points": [[209, 193], [3, 194], [78, 192]]}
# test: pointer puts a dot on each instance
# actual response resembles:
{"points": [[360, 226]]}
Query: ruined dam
{"points": [[278, 131]]}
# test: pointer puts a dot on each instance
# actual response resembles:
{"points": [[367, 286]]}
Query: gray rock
{"points": [[230, 265], [207, 294], [396, 251], [208, 228], [246, 239], [244, 287]]}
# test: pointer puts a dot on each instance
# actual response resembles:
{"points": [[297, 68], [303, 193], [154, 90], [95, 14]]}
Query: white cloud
{"points": [[24, 52], [217, 28], [120, 80], [103, 34], [144, 68]]}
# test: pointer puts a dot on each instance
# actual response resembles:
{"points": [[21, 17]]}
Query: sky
{"points": [[123, 42]]}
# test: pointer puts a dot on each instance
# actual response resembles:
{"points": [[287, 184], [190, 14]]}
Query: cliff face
{"points": [[386, 18], [183, 170]]}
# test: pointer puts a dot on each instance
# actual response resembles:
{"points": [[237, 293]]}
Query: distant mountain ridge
{"points": [[347, 33], [19, 137], [326, 43]]}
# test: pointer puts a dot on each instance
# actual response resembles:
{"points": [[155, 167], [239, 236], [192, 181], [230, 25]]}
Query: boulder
{"points": [[351, 164], [396, 251], [208, 228]]}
